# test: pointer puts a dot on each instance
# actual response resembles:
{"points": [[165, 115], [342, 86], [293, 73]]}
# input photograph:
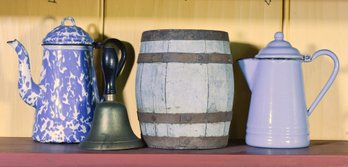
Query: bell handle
{"points": [[333, 75], [111, 66], [122, 48], [70, 19]]}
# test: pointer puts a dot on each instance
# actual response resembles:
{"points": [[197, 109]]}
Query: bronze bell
{"points": [[111, 129]]}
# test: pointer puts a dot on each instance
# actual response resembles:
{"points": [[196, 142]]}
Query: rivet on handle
{"points": [[307, 58]]}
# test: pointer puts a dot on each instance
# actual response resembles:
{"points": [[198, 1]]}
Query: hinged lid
{"points": [[67, 35], [279, 48]]}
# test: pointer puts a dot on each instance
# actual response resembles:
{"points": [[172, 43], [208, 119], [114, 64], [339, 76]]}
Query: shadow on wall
{"points": [[241, 91], [124, 75], [121, 80]]}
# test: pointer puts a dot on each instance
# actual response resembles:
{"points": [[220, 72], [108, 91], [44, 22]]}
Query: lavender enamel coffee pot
{"points": [[66, 95], [278, 116]]}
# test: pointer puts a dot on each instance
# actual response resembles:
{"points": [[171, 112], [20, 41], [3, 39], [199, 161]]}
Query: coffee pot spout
{"points": [[248, 67], [28, 89]]}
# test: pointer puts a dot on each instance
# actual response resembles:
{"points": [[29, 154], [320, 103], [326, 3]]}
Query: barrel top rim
{"points": [[201, 30], [184, 34]]}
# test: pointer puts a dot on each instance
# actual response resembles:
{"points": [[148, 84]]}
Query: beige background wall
{"points": [[313, 25], [308, 25]]}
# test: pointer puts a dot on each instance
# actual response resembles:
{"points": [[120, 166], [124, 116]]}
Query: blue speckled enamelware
{"points": [[67, 93]]}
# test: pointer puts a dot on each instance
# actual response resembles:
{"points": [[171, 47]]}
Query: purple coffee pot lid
{"points": [[279, 49]]}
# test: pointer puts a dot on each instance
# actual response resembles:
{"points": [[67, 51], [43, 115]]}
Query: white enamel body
{"points": [[278, 113], [278, 116]]}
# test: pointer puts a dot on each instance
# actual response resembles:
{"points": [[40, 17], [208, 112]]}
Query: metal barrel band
{"points": [[186, 142], [202, 58], [185, 118]]}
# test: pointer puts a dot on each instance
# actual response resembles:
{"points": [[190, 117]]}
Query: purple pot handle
{"points": [[332, 76]]}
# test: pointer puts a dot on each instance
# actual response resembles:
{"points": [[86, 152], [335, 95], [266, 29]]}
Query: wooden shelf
{"points": [[25, 152]]}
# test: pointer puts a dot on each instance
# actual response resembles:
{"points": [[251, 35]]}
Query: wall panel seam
{"points": [[285, 16], [102, 18]]}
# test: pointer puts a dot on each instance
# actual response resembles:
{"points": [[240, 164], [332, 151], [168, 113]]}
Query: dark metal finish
{"points": [[186, 142], [185, 118], [110, 127], [201, 58], [182, 34], [110, 64]]}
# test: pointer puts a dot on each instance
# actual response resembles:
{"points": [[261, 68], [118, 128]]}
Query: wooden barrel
{"points": [[184, 89]]}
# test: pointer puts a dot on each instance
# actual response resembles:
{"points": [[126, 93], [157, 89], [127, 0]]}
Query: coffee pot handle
{"points": [[332, 76]]}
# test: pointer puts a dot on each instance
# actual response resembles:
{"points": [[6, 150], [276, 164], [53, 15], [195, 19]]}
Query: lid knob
{"points": [[279, 36], [279, 49], [62, 23]]}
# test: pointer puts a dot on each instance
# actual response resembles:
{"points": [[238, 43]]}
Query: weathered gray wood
{"points": [[138, 83], [146, 91], [189, 130], [154, 47], [185, 46], [171, 87], [182, 46], [221, 87], [151, 87], [186, 88]]}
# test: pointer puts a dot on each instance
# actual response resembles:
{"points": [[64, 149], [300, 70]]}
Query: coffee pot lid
{"points": [[67, 35], [279, 48]]}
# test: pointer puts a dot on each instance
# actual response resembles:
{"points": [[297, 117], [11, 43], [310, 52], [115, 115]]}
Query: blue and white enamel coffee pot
{"points": [[67, 93]]}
